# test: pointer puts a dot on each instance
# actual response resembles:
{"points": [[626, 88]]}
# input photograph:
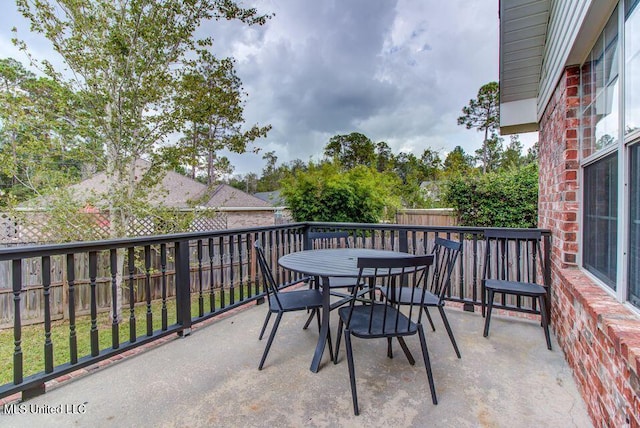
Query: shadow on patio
{"points": [[211, 379]]}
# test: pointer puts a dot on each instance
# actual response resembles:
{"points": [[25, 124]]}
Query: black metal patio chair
{"points": [[281, 302], [382, 319], [326, 240], [445, 253], [514, 266]]}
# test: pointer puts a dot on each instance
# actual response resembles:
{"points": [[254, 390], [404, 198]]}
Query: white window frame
{"points": [[621, 292]]}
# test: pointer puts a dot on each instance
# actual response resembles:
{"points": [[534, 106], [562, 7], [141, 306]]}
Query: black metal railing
{"points": [[112, 296]]}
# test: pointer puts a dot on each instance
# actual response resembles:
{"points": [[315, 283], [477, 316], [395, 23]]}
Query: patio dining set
{"points": [[382, 294]]}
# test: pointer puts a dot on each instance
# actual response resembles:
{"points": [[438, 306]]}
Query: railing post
{"points": [[16, 272], [403, 243], [306, 243], [547, 272], [183, 287]]}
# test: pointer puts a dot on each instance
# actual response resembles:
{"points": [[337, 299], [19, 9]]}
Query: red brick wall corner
{"points": [[599, 336]]}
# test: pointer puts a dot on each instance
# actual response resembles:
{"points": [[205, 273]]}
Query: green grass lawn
{"points": [[33, 335]]}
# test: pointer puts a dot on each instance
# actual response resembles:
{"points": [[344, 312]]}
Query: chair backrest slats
{"points": [[271, 286], [323, 240], [412, 272], [513, 255], [445, 254]]}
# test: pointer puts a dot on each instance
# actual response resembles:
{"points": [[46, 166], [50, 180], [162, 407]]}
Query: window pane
{"points": [[601, 219], [600, 91], [634, 231], [632, 69], [607, 117]]}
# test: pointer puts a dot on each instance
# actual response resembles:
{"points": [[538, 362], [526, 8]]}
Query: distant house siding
{"points": [[241, 219]]}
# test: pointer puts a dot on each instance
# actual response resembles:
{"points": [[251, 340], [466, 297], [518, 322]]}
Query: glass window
{"points": [[599, 81], [601, 219], [632, 67], [634, 226]]}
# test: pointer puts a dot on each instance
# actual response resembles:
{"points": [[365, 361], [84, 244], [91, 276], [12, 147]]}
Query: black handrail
{"points": [[216, 270]]}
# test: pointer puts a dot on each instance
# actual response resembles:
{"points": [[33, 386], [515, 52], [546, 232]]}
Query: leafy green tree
{"points": [[41, 137], [125, 59], [247, 182], [431, 164], [532, 153], [210, 100], [351, 150], [457, 163], [490, 154], [512, 157], [482, 113], [271, 173], [384, 157], [326, 193]]}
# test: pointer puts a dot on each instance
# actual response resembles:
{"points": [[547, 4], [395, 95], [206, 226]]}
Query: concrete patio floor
{"points": [[210, 378]]}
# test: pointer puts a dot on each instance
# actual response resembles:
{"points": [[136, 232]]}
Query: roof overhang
{"points": [[523, 32]]}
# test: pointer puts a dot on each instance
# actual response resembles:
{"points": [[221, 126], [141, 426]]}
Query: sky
{"points": [[397, 71]]}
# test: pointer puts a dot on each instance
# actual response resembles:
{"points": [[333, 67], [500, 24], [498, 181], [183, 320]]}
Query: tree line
{"points": [[415, 173], [362, 181]]}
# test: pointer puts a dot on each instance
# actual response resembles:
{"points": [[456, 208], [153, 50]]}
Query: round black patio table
{"points": [[339, 262]]}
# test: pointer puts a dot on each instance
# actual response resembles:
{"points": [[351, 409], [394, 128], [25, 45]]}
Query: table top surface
{"points": [[339, 262]]}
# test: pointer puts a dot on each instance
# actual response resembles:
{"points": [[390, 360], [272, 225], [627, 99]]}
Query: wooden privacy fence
{"points": [[427, 217]]}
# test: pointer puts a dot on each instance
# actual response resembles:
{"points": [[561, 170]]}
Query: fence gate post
{"points": [[183, 287]]}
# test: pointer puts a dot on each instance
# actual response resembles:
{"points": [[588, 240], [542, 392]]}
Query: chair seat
{"points": [[515, 287], [407, 296], [339, 282], [296, 300], [361, 316]]}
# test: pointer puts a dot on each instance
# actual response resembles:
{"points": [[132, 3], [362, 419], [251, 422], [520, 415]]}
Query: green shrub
{"points": [[497, 199], [327, 194]]}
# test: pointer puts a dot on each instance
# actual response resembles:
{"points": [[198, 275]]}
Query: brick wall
{"points": [[241, 219], [599, 336]]}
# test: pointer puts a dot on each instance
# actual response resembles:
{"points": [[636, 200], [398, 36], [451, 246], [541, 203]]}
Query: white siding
{"points": [[573, 25]]}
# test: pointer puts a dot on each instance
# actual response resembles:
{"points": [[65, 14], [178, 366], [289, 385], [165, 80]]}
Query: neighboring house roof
{"points": [[225, 196], [273, 198], [173, 191]]}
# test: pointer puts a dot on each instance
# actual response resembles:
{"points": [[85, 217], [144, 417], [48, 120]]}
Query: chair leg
{"points": [[270, 341], [407, 353], [352, 371], [489, 309], [483, 293], [545, 321], [264, 326], [340, 326], [445, 321], [427, 363], [389, 349], [312, 313], [329, 343], [319, 321], [426, 311]]}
